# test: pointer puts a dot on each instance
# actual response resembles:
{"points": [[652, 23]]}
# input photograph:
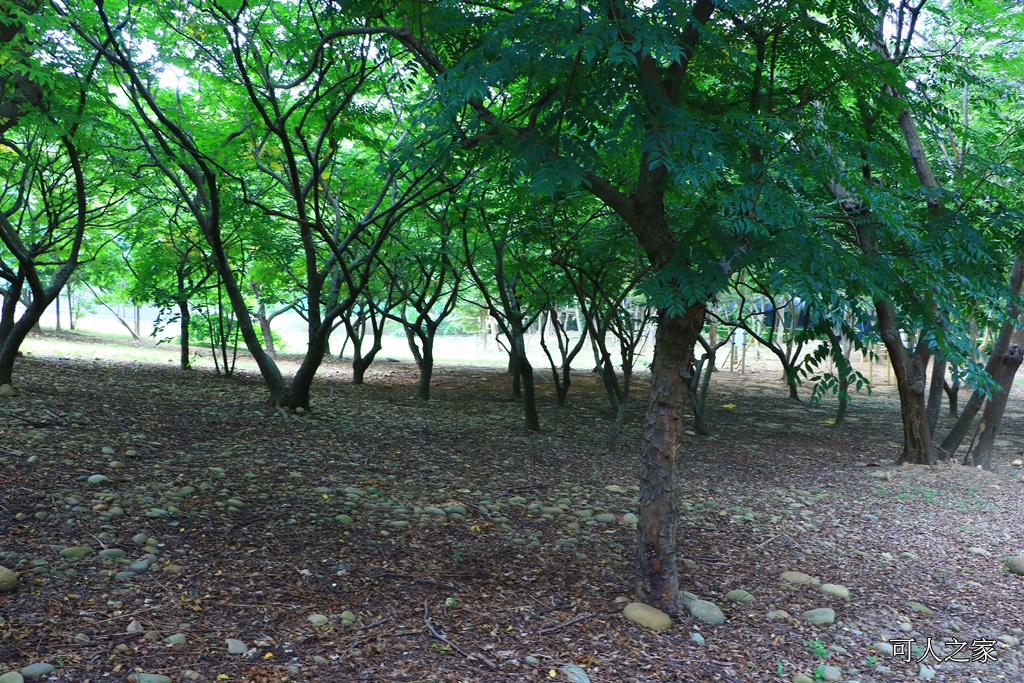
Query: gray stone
{"points": [[778, 614], [76, 553], [630, 518], [605, 518], [1016, 565], [8, 580], [33, 671], [740, 596], [831, 673], [883, 648], [7, 391], [575, 674], [236, 647], [99, 480], [148, 678], [686, 597], [979, 551], [82, 639], [344, 519], [647, 616], [317, 619], [925, 673], [802, 678], [12, 677], [176, 639], [112, 553], [348, 617], [697, 638], [823, 616], [706, 612], [918, 607], [799, 579], [835, 590]]}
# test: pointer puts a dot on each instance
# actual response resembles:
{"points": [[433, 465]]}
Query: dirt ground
{"points": [[379, 538]]}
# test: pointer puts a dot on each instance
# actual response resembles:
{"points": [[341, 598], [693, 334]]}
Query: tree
{"points": [[258, 124], [590, 91], [422, 266], [53, 147]]}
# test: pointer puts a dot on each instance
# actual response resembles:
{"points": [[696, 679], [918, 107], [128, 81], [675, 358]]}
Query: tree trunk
{"points": [[268, 338], [426, 372], [186, 328], [956, 435], [529, 395], [980, 452], [657, 546], [938, 380], [911, 381], [513, 369], [953, 394]]}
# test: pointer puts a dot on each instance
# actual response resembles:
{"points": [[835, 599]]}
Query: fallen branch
{"points": [[444, 639], [565, 623]]}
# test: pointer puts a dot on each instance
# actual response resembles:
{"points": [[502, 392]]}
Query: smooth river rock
{"points": [[706, 612], [8, 580], [647, 616]]}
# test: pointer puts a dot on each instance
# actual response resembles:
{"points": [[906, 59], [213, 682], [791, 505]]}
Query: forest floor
{"points": [[380, 538]]}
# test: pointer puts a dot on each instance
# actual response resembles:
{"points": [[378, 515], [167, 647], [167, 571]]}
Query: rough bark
{"points": [[980, 452], [658, 569], [911, 381], [185, 320], [956, 435], [938, 381]]}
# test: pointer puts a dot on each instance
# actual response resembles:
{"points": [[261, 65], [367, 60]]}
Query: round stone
{"points": [[706, 612], [236, 647], [823, 616], [835, 590], [647, 616], [33, 671], [8, 580]]}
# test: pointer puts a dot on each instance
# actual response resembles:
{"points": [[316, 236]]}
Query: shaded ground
{"points": [[435, 527]]}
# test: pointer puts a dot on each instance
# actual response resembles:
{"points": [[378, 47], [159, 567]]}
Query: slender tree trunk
{"points": [[956, 435], [268, 337], [525, 374], [657, 550], [410, 338], [952, 394], [185, 321], [938, 380], [980, 452]]}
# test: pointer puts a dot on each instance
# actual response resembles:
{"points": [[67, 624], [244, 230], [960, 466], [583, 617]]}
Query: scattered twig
{"points": [[444, 639], [578, 619], [425, 582], [372, 624]]}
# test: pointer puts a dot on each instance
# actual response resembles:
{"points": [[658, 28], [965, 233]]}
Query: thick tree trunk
{"points": [[980, 452], [911, 382], [529, 395], [426, 373], [657, 548]]}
